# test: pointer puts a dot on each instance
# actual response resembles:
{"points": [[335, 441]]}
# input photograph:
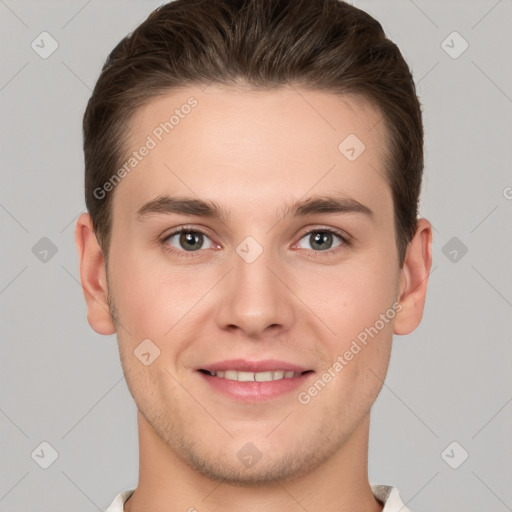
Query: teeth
{"points": [[245, 376], [263, 376], [252, 376]]}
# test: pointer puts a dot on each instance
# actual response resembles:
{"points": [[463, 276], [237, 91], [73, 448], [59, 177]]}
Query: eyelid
{"points": [[346, 239], [183, 229]]}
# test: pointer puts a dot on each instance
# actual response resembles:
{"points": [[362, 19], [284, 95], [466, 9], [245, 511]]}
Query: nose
{"points": [[255, 297]]}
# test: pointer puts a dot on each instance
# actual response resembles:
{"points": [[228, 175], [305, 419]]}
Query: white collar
{"points": [[385, 493]]}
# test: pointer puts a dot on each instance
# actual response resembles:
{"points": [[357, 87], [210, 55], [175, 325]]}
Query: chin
{"points": [[250, 467]]}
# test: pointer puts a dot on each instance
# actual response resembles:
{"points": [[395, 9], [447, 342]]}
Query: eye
{"points": [[322, 240], [187, 240]]}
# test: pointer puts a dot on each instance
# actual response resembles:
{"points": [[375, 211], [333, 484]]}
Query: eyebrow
{"points": [[334, 204]]}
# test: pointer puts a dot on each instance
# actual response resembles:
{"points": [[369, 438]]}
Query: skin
{"points": [[253, 152]]}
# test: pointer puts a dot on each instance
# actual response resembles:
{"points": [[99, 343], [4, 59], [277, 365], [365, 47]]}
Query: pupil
{"points": [[321, 237], [193, 239]]}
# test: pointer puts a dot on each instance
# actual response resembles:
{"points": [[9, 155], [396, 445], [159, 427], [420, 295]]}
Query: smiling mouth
{"points": [[244, 376]]}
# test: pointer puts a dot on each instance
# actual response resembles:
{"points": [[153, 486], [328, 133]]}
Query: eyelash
{"points": [[345, 241]]}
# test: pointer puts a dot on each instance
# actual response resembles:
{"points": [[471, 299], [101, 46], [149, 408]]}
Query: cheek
{"points": [[152, 297], [356, 303], [352, 297], [357, 356]]}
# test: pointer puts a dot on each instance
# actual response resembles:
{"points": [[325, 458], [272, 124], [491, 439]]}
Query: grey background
{"points": [[448, 381]]}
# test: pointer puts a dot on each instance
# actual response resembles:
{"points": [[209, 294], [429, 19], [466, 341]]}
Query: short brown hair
{"points": [[326, 45]]}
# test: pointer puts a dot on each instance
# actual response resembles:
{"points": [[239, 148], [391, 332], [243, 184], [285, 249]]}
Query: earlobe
{"points": [[414, 279], [93, 276]]}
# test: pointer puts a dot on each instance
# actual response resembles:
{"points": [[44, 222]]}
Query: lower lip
{"points": [[255, 391]]}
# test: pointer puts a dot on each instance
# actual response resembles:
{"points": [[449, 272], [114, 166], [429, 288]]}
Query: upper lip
{"points": [[246, 365]]}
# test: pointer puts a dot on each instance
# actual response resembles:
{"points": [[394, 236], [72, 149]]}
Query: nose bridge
{"points": [[254, 298]]}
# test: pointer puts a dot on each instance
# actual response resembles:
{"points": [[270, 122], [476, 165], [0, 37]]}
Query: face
{"points": [[264, 290]]}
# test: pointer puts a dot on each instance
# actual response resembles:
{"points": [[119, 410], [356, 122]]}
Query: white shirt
{"points": [[384, 493]]}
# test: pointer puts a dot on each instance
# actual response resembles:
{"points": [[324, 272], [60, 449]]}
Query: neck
{"points": [[168, 484]]}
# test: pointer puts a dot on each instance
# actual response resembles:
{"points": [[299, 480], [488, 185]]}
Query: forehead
{"points": [[246, 147]]}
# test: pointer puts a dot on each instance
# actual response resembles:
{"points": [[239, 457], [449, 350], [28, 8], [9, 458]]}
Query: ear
{"points": [[414, 279], [93, 276]]}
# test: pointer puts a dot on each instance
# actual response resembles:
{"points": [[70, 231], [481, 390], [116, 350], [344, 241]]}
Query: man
{"points": [[252, 174]]}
